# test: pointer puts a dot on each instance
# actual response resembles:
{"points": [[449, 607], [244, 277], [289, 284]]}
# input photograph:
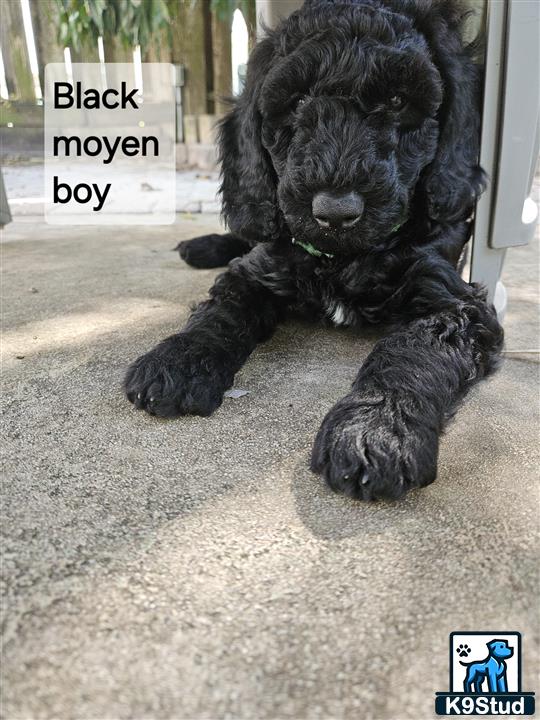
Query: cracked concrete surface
{"points": [[195, 568]]}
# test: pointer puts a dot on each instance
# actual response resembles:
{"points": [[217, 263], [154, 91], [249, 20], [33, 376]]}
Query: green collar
{"points": [[308, 247]]}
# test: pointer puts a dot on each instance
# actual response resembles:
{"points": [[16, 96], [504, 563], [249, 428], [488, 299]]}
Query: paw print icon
{"points": [[463, 650]]}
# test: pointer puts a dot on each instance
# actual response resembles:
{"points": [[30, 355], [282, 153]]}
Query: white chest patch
{"points": [[338, 314]]}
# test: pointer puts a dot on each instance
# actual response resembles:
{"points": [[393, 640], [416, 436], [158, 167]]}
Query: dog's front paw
{"points": [[178, 377], [202, 252], [370, 448]]}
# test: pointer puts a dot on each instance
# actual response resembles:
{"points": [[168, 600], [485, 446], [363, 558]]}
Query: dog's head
{"points": [[499, 649], [355, 116]]}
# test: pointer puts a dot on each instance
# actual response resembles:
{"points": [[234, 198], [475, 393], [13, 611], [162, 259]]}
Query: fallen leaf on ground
{"points": [[235, 393]]}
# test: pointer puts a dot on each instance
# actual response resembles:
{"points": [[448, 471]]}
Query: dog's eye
{"points": [[397, 102], [301, 101]]}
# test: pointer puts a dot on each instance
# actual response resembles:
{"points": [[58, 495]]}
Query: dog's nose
{"points": [[337, 210]]}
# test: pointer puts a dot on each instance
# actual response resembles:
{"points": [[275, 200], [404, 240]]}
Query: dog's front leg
{"points": [[382, 439], [500, 683], [188, 372]]}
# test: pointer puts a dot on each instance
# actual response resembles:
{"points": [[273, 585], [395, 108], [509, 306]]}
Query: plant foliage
{"points": [[133, 22]]}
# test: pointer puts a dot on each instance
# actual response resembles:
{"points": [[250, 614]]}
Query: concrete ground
{"points": [[195, 569]]}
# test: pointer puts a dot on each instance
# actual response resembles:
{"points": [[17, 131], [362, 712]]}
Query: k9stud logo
{"points": [[485, 676]]}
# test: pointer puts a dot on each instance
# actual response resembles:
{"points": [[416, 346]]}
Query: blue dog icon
{"points": [[493, 668]]}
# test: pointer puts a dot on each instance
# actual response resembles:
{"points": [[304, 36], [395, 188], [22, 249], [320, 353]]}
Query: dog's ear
{"points": [[248, 180], [454, 179]]}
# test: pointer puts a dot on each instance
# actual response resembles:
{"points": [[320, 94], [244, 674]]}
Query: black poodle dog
{"points": [[349, 175]]}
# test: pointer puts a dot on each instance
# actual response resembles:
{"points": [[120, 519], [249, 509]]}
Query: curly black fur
{"points": [[377, 99]]}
